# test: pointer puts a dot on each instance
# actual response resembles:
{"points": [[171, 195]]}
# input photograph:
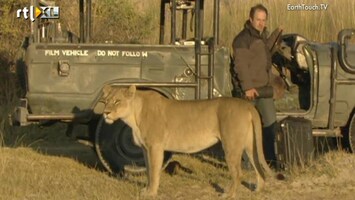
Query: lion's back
{"points": [[194, 111]]}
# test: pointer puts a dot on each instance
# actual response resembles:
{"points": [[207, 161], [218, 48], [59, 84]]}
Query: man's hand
{"points": [[281, 27], [251, 94]]}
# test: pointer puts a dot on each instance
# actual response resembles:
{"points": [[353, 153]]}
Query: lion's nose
{"points": [[105, 115]]}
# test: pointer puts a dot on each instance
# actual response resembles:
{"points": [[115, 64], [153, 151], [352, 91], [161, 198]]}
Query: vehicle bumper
{"points": [[22, 117]]}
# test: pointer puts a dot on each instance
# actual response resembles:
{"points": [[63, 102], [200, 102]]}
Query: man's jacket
{"points": [[252, 57]]}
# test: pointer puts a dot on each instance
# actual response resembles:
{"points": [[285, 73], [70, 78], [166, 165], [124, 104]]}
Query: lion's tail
{"points": [[259, 154]]}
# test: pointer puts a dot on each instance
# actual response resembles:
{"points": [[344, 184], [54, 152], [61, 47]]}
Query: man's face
{"points": [[259, 20]]}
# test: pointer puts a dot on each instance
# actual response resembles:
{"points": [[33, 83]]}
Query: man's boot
{"points": [[269, 144]]}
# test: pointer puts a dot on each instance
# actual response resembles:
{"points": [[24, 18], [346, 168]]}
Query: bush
{"points": [[115, 21], [12, 33], [118, 21]]}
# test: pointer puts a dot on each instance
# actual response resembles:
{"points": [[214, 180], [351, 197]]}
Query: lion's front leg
{"points": [[154, 156]]}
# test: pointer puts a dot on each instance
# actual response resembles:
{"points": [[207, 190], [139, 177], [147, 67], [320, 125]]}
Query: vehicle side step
{"points": [[327, 132]]}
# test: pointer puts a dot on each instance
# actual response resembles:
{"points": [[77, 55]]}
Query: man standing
{"points": [[252, 71]]}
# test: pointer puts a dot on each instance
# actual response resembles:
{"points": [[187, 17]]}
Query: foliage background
{"points": [[136, 21]]}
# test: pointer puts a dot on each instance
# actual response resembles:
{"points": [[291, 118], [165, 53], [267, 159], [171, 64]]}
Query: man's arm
{"points": [[242, 56], [241, 66], [242, 60]]}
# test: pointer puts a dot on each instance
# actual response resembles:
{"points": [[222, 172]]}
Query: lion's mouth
{"points": [[107, 119]]}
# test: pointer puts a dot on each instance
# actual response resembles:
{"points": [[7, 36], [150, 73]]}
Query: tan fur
{"points": [[160, 124], [278, 86]]}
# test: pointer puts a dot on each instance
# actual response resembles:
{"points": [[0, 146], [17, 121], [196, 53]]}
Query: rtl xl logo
{"points": [[47, 12]]}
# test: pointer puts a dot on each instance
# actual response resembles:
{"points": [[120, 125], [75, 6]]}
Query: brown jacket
{"points": [[252, 58]]}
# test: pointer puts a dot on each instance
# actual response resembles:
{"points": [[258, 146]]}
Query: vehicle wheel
{"points": [[349, 136], [116, 150]]}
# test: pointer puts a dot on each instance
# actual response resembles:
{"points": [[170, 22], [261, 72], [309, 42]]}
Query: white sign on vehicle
{"points": [[117, 53], [101, 53], [66, 52]]}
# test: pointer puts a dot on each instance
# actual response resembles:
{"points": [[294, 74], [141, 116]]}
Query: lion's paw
{"points": [[147, 193], [227, 196]]}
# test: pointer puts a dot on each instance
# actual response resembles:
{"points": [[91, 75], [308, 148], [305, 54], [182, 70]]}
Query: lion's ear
{"points": [[131, 91], [106, 90]]}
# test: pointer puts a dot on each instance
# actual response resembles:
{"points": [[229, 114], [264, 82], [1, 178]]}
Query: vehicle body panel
{"points": [[93, 66]]}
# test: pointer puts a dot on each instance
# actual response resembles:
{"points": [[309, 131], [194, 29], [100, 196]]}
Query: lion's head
{"points": [[117, 102]]}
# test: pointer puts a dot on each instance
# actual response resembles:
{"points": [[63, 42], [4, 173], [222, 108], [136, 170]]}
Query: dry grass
{"points": [[27, 174], [320, 26]]}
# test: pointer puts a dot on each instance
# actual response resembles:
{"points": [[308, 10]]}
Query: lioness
{"points": [[160, 124]]}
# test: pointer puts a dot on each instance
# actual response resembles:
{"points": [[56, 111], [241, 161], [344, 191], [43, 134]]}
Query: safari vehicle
{"points": [[320, 84], [64, 77]]}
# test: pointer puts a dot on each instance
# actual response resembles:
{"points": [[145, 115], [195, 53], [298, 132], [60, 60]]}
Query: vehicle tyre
{"points": [[116, 150], [349, 136]]}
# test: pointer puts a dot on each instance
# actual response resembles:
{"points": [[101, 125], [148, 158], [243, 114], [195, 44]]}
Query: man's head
{"points": [[258, 16]]}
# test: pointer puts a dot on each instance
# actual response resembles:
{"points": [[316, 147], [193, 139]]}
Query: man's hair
{"points": [[257, 7]]}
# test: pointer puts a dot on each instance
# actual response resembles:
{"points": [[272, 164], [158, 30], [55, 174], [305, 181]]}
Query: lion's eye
{"points": [[116, 101]]}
